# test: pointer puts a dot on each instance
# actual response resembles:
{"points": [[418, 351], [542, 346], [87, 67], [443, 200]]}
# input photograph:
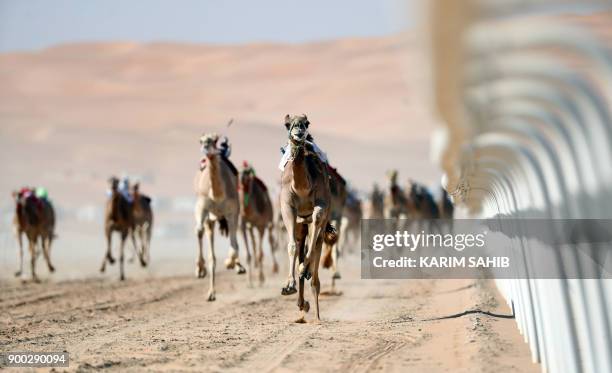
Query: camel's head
{"points": [[208, 144], [392, 175], [297, 125], [113, 183]]}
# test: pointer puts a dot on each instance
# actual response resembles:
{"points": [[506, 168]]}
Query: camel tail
{"points": [[223, 227]]}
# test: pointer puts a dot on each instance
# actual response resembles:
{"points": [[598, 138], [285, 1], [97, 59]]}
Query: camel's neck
{"points": [[301, 178], [216, 182]]}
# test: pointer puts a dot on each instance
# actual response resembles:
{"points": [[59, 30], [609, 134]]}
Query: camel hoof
{"points": [[337, 276], [305, 306], [102, 269], [240, 269], [229, 263], [143, 263], [288, 290], [36, 280], [18, 274], [122, 278], [51, 268], [211, 297], [301, 320]]}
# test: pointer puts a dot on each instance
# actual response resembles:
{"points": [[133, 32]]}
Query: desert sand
{"points": [[70, 116]]}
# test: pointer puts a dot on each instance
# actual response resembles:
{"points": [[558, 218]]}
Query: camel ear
{"points": [[14, 194], [287, 121]]}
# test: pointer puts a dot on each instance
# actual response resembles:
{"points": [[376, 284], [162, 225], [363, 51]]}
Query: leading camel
{"points": [[216, 187], [34, 217], [305, 207]]}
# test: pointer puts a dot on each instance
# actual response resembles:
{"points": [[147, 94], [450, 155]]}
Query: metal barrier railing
{"points": [[525, 90]]}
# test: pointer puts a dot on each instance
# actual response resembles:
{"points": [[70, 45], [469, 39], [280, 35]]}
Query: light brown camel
{"points": [[256, 212], [34, 217], [118, 217], [216, 187], [377, 204], [142, 213], [338, 190], [305, 206], [351, 221]]}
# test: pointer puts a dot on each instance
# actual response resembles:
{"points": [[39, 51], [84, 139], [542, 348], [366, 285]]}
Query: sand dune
{"points": [[72, 115]]}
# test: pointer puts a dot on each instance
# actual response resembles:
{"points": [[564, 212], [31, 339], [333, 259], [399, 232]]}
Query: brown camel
{"points": [[377, 204], [216, 187], [256, 212], [397, 204], [351, 221], [118, 217], [34, 217], [422, 202], [305, 206], [339, 193], [142, 213]]}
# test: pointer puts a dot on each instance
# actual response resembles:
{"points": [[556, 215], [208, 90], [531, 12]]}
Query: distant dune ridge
{"points": [[73, 114]]}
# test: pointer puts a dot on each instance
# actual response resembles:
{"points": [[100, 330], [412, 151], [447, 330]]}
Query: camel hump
{"points": [[230, 165], [260, 183], [334, 171]]}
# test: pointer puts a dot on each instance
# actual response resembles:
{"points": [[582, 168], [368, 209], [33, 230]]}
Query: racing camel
{"points": [[143, 223], [397, 204], [216, 186], [256, 212], [35, 218], [118, 217], [377, 204], [305, 207]]}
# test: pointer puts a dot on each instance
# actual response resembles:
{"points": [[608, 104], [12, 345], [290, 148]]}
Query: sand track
{"points": [[165, 324]]}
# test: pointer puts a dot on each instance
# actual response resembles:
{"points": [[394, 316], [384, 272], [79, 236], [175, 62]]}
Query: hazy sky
{"points": [[35, 24]]}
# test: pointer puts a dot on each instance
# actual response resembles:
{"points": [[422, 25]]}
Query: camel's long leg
{"points": [[259, 257], [289, 221], [124, 235], [135, 252], [243, 229], [273, 248], [143, 245], [232, 225], [19, 237], [200, 214], [303, 305], [148, 233], [108, 256], [46, 243], [212, 260], [314, 230], [315, 283], [32, 242]]}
